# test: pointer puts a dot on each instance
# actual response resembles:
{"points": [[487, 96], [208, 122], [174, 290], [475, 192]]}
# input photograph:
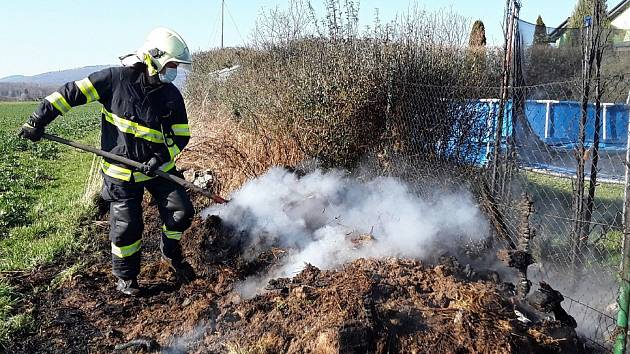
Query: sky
{"points": [[41, 36]]}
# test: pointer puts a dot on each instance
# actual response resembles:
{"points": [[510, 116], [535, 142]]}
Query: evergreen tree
{"points": [[477, 35], [584, 8], [540, 33]]}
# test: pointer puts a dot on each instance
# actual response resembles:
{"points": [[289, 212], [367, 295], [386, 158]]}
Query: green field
{"points": [[41, 191], [552, 197]]}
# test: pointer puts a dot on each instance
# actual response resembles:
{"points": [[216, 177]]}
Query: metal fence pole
{"points": [[627, 171], [624, 288]]}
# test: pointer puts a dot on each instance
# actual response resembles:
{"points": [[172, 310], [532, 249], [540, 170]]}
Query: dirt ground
{"points": [[369, 306]]}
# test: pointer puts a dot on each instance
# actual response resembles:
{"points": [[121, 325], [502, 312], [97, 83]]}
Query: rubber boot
{"points": [[128, 287], [172, 255]]}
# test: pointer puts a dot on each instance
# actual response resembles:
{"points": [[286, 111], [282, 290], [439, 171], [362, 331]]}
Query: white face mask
{"points": [[169, 75]]}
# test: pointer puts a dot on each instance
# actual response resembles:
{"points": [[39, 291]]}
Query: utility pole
{"points": [[222, 16]]}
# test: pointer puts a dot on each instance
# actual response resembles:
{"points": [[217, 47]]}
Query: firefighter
{"points": [[144, 119]]}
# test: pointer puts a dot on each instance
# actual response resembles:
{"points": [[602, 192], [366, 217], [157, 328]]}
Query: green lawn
{"points": [[552, 198], [562, 187], [42, 189]]}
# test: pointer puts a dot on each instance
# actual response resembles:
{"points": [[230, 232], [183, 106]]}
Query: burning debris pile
{"points": [[384, 306], [381, 303], [329, 218], [308, 268]]}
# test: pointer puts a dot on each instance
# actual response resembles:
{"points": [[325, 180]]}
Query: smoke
{"points": [[182, 344], [590, 298], [329, 218]]}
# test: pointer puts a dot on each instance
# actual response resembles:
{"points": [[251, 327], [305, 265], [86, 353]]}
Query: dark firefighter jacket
{"points": [[138, 120]]}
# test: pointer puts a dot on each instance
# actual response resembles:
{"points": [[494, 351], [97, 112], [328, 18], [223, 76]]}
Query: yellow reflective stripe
{"points": [[150, 66], [181, 129], [173, 150], [126, 251], [125, 174], [116, 167], [139, 131], [57, 100], [116, 171], [173, 235], [88, 90], [149, 134], [169, 166]]}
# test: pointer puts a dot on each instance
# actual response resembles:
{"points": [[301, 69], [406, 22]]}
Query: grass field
{"points": [[552, 198], [41, 187]]}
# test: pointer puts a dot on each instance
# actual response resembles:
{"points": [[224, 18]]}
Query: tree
{"points": [[585, 8], [477, 35], [540, 33]]}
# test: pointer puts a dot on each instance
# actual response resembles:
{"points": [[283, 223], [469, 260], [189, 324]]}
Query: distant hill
{"points": [[22, 87], [21, 91], [55, 78]]}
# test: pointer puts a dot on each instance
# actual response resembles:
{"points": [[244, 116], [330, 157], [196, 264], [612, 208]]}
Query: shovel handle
{"points": [[137, 165]]}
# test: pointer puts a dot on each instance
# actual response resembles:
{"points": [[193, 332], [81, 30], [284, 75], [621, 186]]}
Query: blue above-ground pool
{"points": [[556, 127]]}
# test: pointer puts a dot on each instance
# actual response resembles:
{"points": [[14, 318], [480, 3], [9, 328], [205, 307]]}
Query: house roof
{"points": [[619, 9]]}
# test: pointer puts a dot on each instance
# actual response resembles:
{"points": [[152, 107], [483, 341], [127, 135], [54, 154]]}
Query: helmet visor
{"points": [[185, 66], [179, 65]]}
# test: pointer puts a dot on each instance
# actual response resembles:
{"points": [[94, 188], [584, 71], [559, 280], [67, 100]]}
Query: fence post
{"points": [[547, 117], [627, 171], [624, 289]]}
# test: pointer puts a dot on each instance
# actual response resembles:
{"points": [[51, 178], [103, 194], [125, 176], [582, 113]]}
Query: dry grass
{"points": [[234, 153], [94, 182]]}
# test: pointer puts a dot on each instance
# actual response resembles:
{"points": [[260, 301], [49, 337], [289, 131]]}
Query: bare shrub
{"points": [[320, 88]]}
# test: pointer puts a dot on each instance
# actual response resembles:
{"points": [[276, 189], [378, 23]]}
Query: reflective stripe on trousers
{"points": [[126, 251], [173, 235]]}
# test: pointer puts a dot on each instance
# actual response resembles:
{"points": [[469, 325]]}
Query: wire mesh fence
{"points": [[453, 143]]}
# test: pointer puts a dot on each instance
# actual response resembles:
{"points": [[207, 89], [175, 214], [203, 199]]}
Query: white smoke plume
{"points": [[318, 215], [591, 299]]}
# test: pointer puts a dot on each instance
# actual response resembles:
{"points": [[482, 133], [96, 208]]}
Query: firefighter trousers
{"points": [[126, 224]]}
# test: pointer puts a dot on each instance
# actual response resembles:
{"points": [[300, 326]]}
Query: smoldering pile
{"points": [[388, 306], [357, 249], [373, 305], [324, 218]]}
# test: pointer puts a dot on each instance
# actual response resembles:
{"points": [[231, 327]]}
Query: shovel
{"points": [[137, 165]]}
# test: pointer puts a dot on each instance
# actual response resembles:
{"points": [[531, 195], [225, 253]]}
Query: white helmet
{"points": [[162, 46]]}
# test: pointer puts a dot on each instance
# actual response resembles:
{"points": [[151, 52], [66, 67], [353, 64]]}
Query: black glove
{"points": [[149, 167], [31, 132]]}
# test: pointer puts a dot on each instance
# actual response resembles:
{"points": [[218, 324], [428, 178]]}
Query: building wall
{"points": [[623, 20]]}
